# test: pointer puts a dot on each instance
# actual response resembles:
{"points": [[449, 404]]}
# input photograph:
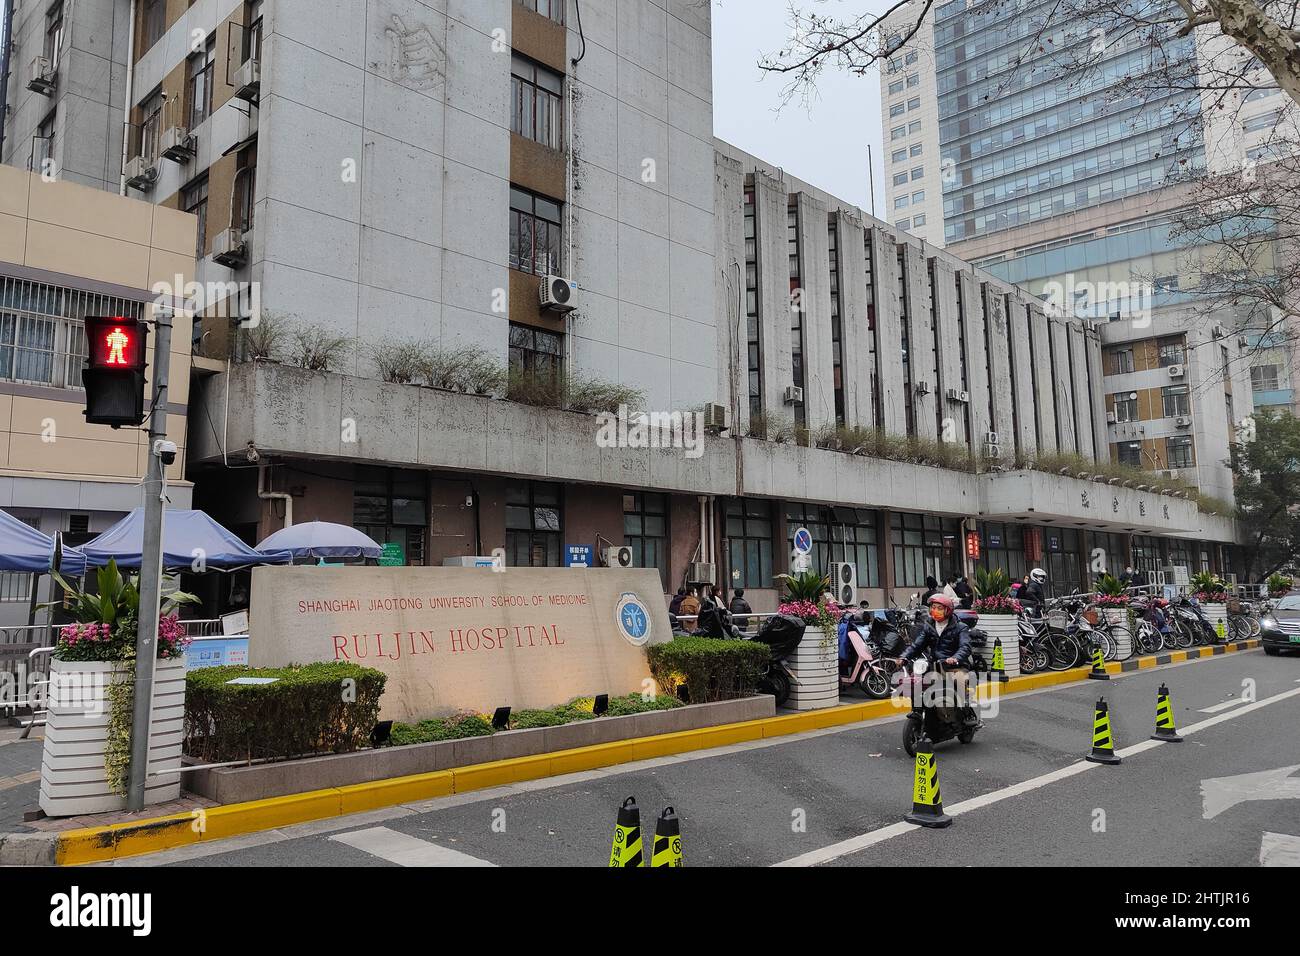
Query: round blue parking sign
{"points": [[803, 541], [633, 619]]}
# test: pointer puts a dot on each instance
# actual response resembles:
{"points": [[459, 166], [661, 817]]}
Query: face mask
{"points": [[938, 613]]}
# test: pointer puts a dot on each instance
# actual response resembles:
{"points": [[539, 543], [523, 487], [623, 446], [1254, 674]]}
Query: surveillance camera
{"points": [[251, 454], [165, 450], [469, 501]]}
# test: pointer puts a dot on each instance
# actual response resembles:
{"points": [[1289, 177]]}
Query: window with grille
{"points": [[1180, 452], [536, 355], [1126, 407], [535, 232], [1177, 400], [42, 335], [391, 506], [194, 200], [200, 84], [1265, 378]]}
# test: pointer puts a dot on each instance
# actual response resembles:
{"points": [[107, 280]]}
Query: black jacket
{"points": [[1031, 594], [740, 606], [965, 593], [953, 642]]}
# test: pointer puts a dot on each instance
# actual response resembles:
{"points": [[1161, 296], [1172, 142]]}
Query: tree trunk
{"points": [[1277, 48]]}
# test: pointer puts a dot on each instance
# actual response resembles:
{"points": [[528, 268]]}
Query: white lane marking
{"points": [[1279, 849], [854, 844], [1223, 793], [1218, 708], [404, 849]]}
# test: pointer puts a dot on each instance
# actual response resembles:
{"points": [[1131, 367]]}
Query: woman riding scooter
{"points": [[948, 640]]}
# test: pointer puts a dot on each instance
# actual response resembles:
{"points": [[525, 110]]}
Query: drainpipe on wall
{"points": [[6, 66], [262, 484], [129, 96]]}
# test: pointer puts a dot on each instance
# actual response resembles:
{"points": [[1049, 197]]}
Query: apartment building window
{"points": [[252, 39], [1265, 378], [918, 197], [43, 143], [1180, 452], [753, 343], [194, 200], [898, 109], [200, 84], [837, 336], [151, 127], [1129, 453], [536, 355], [918, 172], [796, 311], [533, 524], [1121, 362], [551, 9], [913, 79], [900, 202], [898, 132], [898, 156], [536, 97], [153, 23], [645, 531], [896, 87], [749, 542], [1172, 352], [1126, 407], [900, 179], [914, 103], [916, 150], [535, 228], [53, 47], [914, 127], [391, 506], [902, 224], [924, 545], [245, 187], [918, 219], [1177, 400], [42, 336]]}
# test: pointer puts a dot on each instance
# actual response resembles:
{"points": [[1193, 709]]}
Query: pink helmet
{"points": [[943, 599]]}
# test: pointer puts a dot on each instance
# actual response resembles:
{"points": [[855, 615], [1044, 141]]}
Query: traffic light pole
{"points": [[146, 641]]}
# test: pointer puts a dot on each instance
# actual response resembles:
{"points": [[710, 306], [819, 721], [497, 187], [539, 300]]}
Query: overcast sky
{"points": [[823, 143]]}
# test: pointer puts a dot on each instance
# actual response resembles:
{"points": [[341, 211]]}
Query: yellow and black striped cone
{"points": [[668, 840], [1165, 729], [1221, 631], [999, 661], [1098, 671], [627, 836], [927, 804], [1103, 744]]}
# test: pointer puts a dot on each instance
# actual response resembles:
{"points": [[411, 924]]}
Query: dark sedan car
{"points": [[1279, 629]]}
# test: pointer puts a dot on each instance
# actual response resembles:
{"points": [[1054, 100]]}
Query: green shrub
{"points": [[308, 709], [636, 704], [710, 669], [456, 727]]}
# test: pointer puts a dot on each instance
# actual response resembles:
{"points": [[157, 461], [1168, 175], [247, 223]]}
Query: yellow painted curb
{"points": [[99, 844]]}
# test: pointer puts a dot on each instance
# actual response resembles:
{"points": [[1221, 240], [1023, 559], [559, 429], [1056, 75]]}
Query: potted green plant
{"points": [[997, 610], [815, 662], [1279, 585], [86, 762]]}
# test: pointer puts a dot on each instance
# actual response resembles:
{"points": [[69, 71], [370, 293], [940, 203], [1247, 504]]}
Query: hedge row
{"points": [[328, 707], [480, 725], [708, 669]]}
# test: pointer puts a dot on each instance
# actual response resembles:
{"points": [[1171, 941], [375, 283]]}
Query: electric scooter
{"points": [[937, 713]]}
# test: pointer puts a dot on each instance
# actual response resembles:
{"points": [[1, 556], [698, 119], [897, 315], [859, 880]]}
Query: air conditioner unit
{"points": [[793, 395], [556, 294], [229, 249], [844, 583], [1176, 371], [42, 76], [958, 395], [992, 451], [922, 388], [716, 418], [178, 145], [1183, 421], [701, 572], [617, 557], [1110, 418], [992, 438], [248, 81], [141, 174]]}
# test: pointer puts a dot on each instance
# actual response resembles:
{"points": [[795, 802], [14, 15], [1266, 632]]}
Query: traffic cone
{"points": [[1165, 718], [668, 840], [1221, 631], [1103, 745], [927, 804], [1098, 671], [999, 661], [627, 836]]}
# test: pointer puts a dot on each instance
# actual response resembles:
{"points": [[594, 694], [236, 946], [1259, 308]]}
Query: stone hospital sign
{"points": [[464, 638]]}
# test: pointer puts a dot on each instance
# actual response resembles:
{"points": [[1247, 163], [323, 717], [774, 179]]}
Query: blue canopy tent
{"points": [[321, 539], [23, 548], [188, 536]]}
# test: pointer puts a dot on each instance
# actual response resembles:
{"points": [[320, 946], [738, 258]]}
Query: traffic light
{"points": [[114, 372]]}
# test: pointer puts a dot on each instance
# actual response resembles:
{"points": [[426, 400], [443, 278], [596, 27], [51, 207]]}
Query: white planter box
{"points": [[1214, 613], [1123, 639], [1002, 627], [73, 779], [816, 670]]}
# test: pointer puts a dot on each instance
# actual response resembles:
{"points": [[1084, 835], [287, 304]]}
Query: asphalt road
{"points": [[1019, 794]]}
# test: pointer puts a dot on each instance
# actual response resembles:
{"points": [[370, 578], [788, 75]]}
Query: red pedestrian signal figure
{"points": [[114, 372], [116, 341]]}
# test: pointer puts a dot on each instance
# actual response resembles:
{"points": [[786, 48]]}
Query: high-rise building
{"points": [[544, 188]]}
